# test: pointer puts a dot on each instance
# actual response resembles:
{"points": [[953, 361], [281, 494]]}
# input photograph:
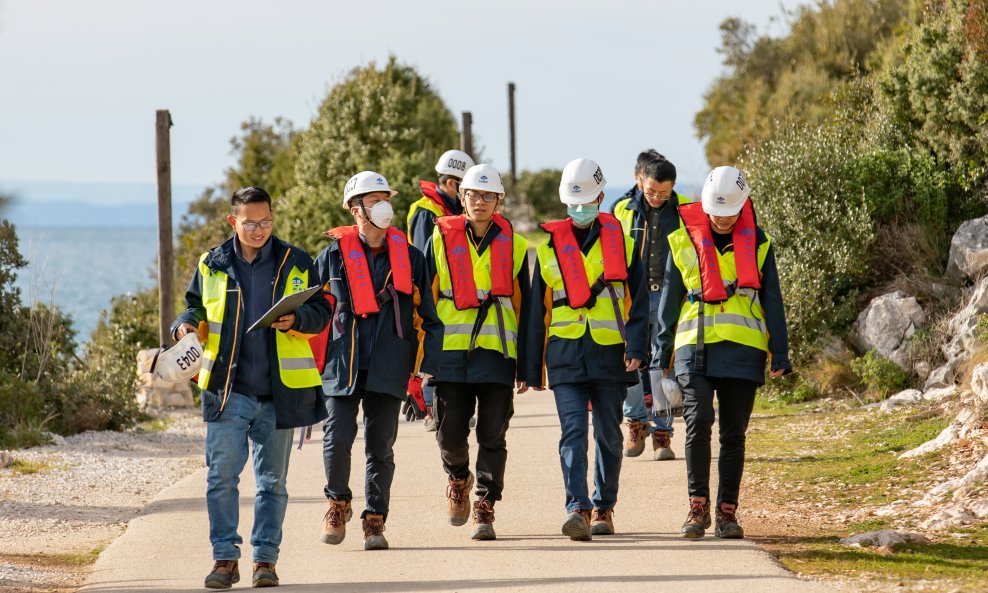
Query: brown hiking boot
{"points": [[602, 522], [635, 444], [483, 521], [264, 575], [225, 573], [727, 526], [577, 526], [335, 520], [458, 500], [698, 519], [374, 533], [662, 446]]}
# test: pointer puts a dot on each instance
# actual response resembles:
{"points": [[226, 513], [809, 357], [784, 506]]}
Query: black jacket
{"points": [[394, 358], [582, 360], [424, 222], [725, 359], [293, 407]]}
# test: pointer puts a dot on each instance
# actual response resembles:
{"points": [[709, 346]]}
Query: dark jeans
{"points": [[571, 404], [736, 398], [454, 405], [380, 432]]}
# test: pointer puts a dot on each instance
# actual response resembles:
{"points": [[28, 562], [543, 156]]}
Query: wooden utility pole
{"points": [[166, 255], [511, 130], [466, 138]]}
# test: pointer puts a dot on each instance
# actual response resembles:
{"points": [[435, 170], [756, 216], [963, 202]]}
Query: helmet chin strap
{"points": [[367, 217]]}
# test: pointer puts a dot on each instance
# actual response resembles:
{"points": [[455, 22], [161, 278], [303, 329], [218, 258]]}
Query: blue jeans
{"points": [[571, 404], [226, 455], [634, 405]]}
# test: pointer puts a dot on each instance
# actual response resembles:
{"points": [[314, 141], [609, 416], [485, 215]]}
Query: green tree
{"points": [[540, 190], [389, 120]]}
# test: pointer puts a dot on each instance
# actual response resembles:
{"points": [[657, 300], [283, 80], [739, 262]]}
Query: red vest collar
{"points": [[363, 298], [431, 191], [570, 257], [745, 239], [454, 233]]}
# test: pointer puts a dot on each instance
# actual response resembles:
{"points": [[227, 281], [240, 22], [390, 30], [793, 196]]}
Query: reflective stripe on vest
{"points": [[458, 324], [295, 360], [459, 255], [575, 280], [626, 215], [569, 323], [363, 297], [739, 319]]}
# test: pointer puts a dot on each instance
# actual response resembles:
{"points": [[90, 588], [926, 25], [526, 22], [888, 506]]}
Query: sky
{"points": [[80, 81]]}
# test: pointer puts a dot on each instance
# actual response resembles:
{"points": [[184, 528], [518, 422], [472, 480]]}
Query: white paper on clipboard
{"points": [[285, 306]]}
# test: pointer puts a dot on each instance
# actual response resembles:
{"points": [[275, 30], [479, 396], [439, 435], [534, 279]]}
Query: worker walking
{"points": [[721, 313], [256, 386], [382, 295], [438, 199], [481, 283], [648, 217], [588, 318]]}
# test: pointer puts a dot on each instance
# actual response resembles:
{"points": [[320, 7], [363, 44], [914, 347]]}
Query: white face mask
{"points": [[380, 214]]}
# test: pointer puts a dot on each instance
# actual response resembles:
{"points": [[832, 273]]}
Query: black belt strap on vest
{"points": [[617, 312], [700, 355], [388, 295], [478, 324], [595, 289]]}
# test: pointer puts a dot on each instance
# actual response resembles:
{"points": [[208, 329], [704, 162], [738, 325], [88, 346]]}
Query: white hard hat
{"points": [[724, 192], [454, 162], [581, 183], [179, 363], [482, 178], [365, 182]]}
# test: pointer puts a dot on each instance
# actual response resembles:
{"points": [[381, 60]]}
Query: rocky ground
{"points": [[61, 504]]}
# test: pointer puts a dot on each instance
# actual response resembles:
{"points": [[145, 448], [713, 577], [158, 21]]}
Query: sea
{"points": [[82, 269]]}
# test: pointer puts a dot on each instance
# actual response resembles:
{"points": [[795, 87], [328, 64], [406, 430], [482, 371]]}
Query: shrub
{"points": [[878, 375], [540, 190]]}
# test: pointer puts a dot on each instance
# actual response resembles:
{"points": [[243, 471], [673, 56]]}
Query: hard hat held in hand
{"points": [[454, 163], [179, 363], [581, 183], [724, 192], [365, 182], [482, 178]]}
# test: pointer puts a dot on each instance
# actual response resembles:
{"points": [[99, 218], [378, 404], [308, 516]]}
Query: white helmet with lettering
{"points": [[365, 182], [482, 178], [454, 163], [724, 192], [179, 363], [581, 183]]}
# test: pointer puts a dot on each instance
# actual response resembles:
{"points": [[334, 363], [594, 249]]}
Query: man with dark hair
{"points": [[648, 217], [257, 386], [643, 158]]}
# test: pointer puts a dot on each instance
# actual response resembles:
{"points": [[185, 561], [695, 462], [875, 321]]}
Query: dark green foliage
{"points": [[540, 190], [878, 375], [388, 120]]}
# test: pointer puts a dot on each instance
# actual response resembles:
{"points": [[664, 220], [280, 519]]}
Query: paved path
{"points": [[167, 549]]}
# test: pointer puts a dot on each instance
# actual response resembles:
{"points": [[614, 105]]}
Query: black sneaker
{"points": [[225, 573], [698, 520], [727, 526]]}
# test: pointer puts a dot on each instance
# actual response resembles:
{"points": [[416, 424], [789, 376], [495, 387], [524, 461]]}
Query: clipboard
{"points": [[286, 305]]}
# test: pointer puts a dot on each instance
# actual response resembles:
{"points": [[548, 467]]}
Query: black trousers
{"points": [[454, 404], [736, 398], [380, 433]]}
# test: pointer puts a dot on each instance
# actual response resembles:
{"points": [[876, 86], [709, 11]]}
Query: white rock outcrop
{"points": [[886, 325], [969, 250]]}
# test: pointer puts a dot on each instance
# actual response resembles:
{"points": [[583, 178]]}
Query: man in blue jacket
{"points": [[384, 312], [721, 313], [256, 386], [648, 217], [587, 319]]}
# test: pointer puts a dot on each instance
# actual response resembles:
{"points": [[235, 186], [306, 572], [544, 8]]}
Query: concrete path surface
{"points": [[167, 548]]}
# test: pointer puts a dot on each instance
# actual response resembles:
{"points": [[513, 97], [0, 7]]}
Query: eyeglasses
{"points": [[652, 196], [250, 226], [476, 197]]}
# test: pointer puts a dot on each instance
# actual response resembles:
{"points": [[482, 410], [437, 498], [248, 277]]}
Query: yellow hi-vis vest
{"points": [[627, 217], [423, 203], [739, 319], [569, 323], [296, 366], [459, 324]]}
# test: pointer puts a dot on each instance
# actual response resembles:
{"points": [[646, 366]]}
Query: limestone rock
{"points": [[969, 250], [887, 539], [942, 376], [946, 436], [903, 398], [922, 369], [979, 382], [940, 393], [5, 459], [886, 325]]}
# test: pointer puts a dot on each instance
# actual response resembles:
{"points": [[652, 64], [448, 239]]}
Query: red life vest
{"points": [[363, 298], [570, 257], [454, 233], [745, 241], [431, 191]]}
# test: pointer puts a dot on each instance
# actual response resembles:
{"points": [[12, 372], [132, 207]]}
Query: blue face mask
{"points": [[584, 214]]}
